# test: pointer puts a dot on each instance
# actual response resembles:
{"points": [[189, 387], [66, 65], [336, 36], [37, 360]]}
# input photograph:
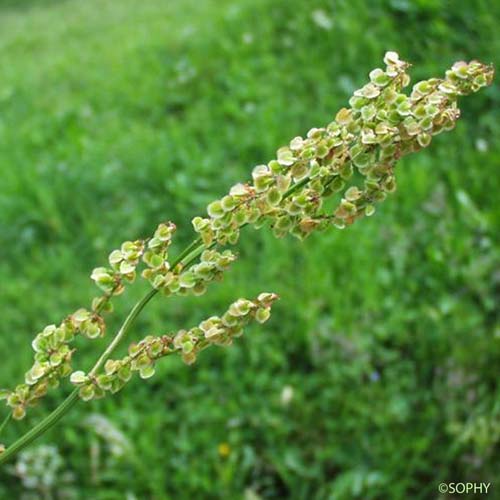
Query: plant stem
{"points": [[136, 310], [185, 252], [40, 428], [5, 421], [186, 257], [296, 186]]}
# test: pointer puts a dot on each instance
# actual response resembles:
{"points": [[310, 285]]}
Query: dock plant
{"points": [[332, 177]]}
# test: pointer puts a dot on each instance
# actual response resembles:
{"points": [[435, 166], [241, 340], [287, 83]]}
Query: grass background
{"points": [[117, 115]]}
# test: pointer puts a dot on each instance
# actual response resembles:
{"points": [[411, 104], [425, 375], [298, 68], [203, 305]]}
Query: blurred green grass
{"points": [[115, 116]]}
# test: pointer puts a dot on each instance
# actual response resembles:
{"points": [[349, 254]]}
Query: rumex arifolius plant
{"points": [[334, 176]]}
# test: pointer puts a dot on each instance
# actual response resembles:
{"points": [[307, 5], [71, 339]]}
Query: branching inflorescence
{"points": [[353, 157]]}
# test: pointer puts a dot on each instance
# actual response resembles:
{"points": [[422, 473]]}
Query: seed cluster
{"points": [[194, 280], [52, 359], [159, 272], [354, 157], [187, 343]]}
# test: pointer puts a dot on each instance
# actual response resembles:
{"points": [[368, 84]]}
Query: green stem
{"points": [[186, 251], [5, 421], [40, 428], [136, 310], [186, 257], [296, 186]]}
